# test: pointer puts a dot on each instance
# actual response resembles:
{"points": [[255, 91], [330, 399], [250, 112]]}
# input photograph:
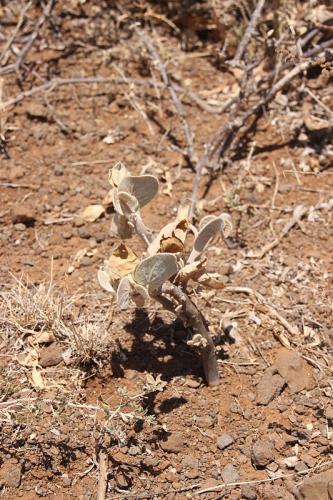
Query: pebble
{"points": [[263, 453], [84, 233], [301, 467], [78, 222], [20, 226], [224, 441], [85, 262], [134, 450], [100, 236], [233, 408], [58, 170], [67, 235], [230, 474], [192, 383]]}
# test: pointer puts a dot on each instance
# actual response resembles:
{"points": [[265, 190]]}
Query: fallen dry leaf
{"points": [[28, 359], [92, 213], [36, 378]]}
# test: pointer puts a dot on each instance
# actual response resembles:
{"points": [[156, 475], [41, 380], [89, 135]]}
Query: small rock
{"points": [[67, 235], [248, 492], [230, 474], [151, 462], [269, 387], [174, 443], [23, 214], [192, 383], [85, 261], [134, 450], [66, 481], [301, 467], [58, 170], [100, 236], [10, 474], [273, 467], [263, 453], [20, 226], [84, 233], [290, 462], [295, 370], [38, 111], [79, 222], [224, 441], [317, 487], [233, 408], [50, 355]]}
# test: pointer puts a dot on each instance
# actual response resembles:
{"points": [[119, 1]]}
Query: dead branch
{"points": [[173, 94], [31, 40], [223, 138], [4, 53], [249, 32], [263, 306]]}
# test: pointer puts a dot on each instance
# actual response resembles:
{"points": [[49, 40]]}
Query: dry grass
{"points": [[32, 316]]}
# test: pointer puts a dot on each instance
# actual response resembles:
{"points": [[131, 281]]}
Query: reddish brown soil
{"points": [[58, 165]]}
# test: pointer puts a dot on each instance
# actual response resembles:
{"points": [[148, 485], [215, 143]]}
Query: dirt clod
{"points": [[51, 355], [295, 370], [174, 443]]}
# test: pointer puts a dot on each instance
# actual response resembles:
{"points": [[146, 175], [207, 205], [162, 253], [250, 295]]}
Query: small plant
{"points": [[165, 270]]}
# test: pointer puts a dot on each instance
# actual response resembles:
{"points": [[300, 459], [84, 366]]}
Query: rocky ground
{"points": [[84, 385]]}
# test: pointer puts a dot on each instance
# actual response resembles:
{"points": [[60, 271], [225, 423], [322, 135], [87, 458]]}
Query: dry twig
{"points": [[175, 99], [248, 33], [103, 475]]}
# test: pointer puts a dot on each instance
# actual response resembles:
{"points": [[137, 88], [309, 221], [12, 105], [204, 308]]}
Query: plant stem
{"points": [[190, 313]]}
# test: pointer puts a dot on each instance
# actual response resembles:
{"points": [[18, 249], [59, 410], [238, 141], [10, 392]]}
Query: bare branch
{"points": [[172, 91], [248, 33]]}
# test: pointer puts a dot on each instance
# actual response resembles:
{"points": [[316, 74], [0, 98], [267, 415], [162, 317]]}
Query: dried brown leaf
{"points": [[92, 213]]}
